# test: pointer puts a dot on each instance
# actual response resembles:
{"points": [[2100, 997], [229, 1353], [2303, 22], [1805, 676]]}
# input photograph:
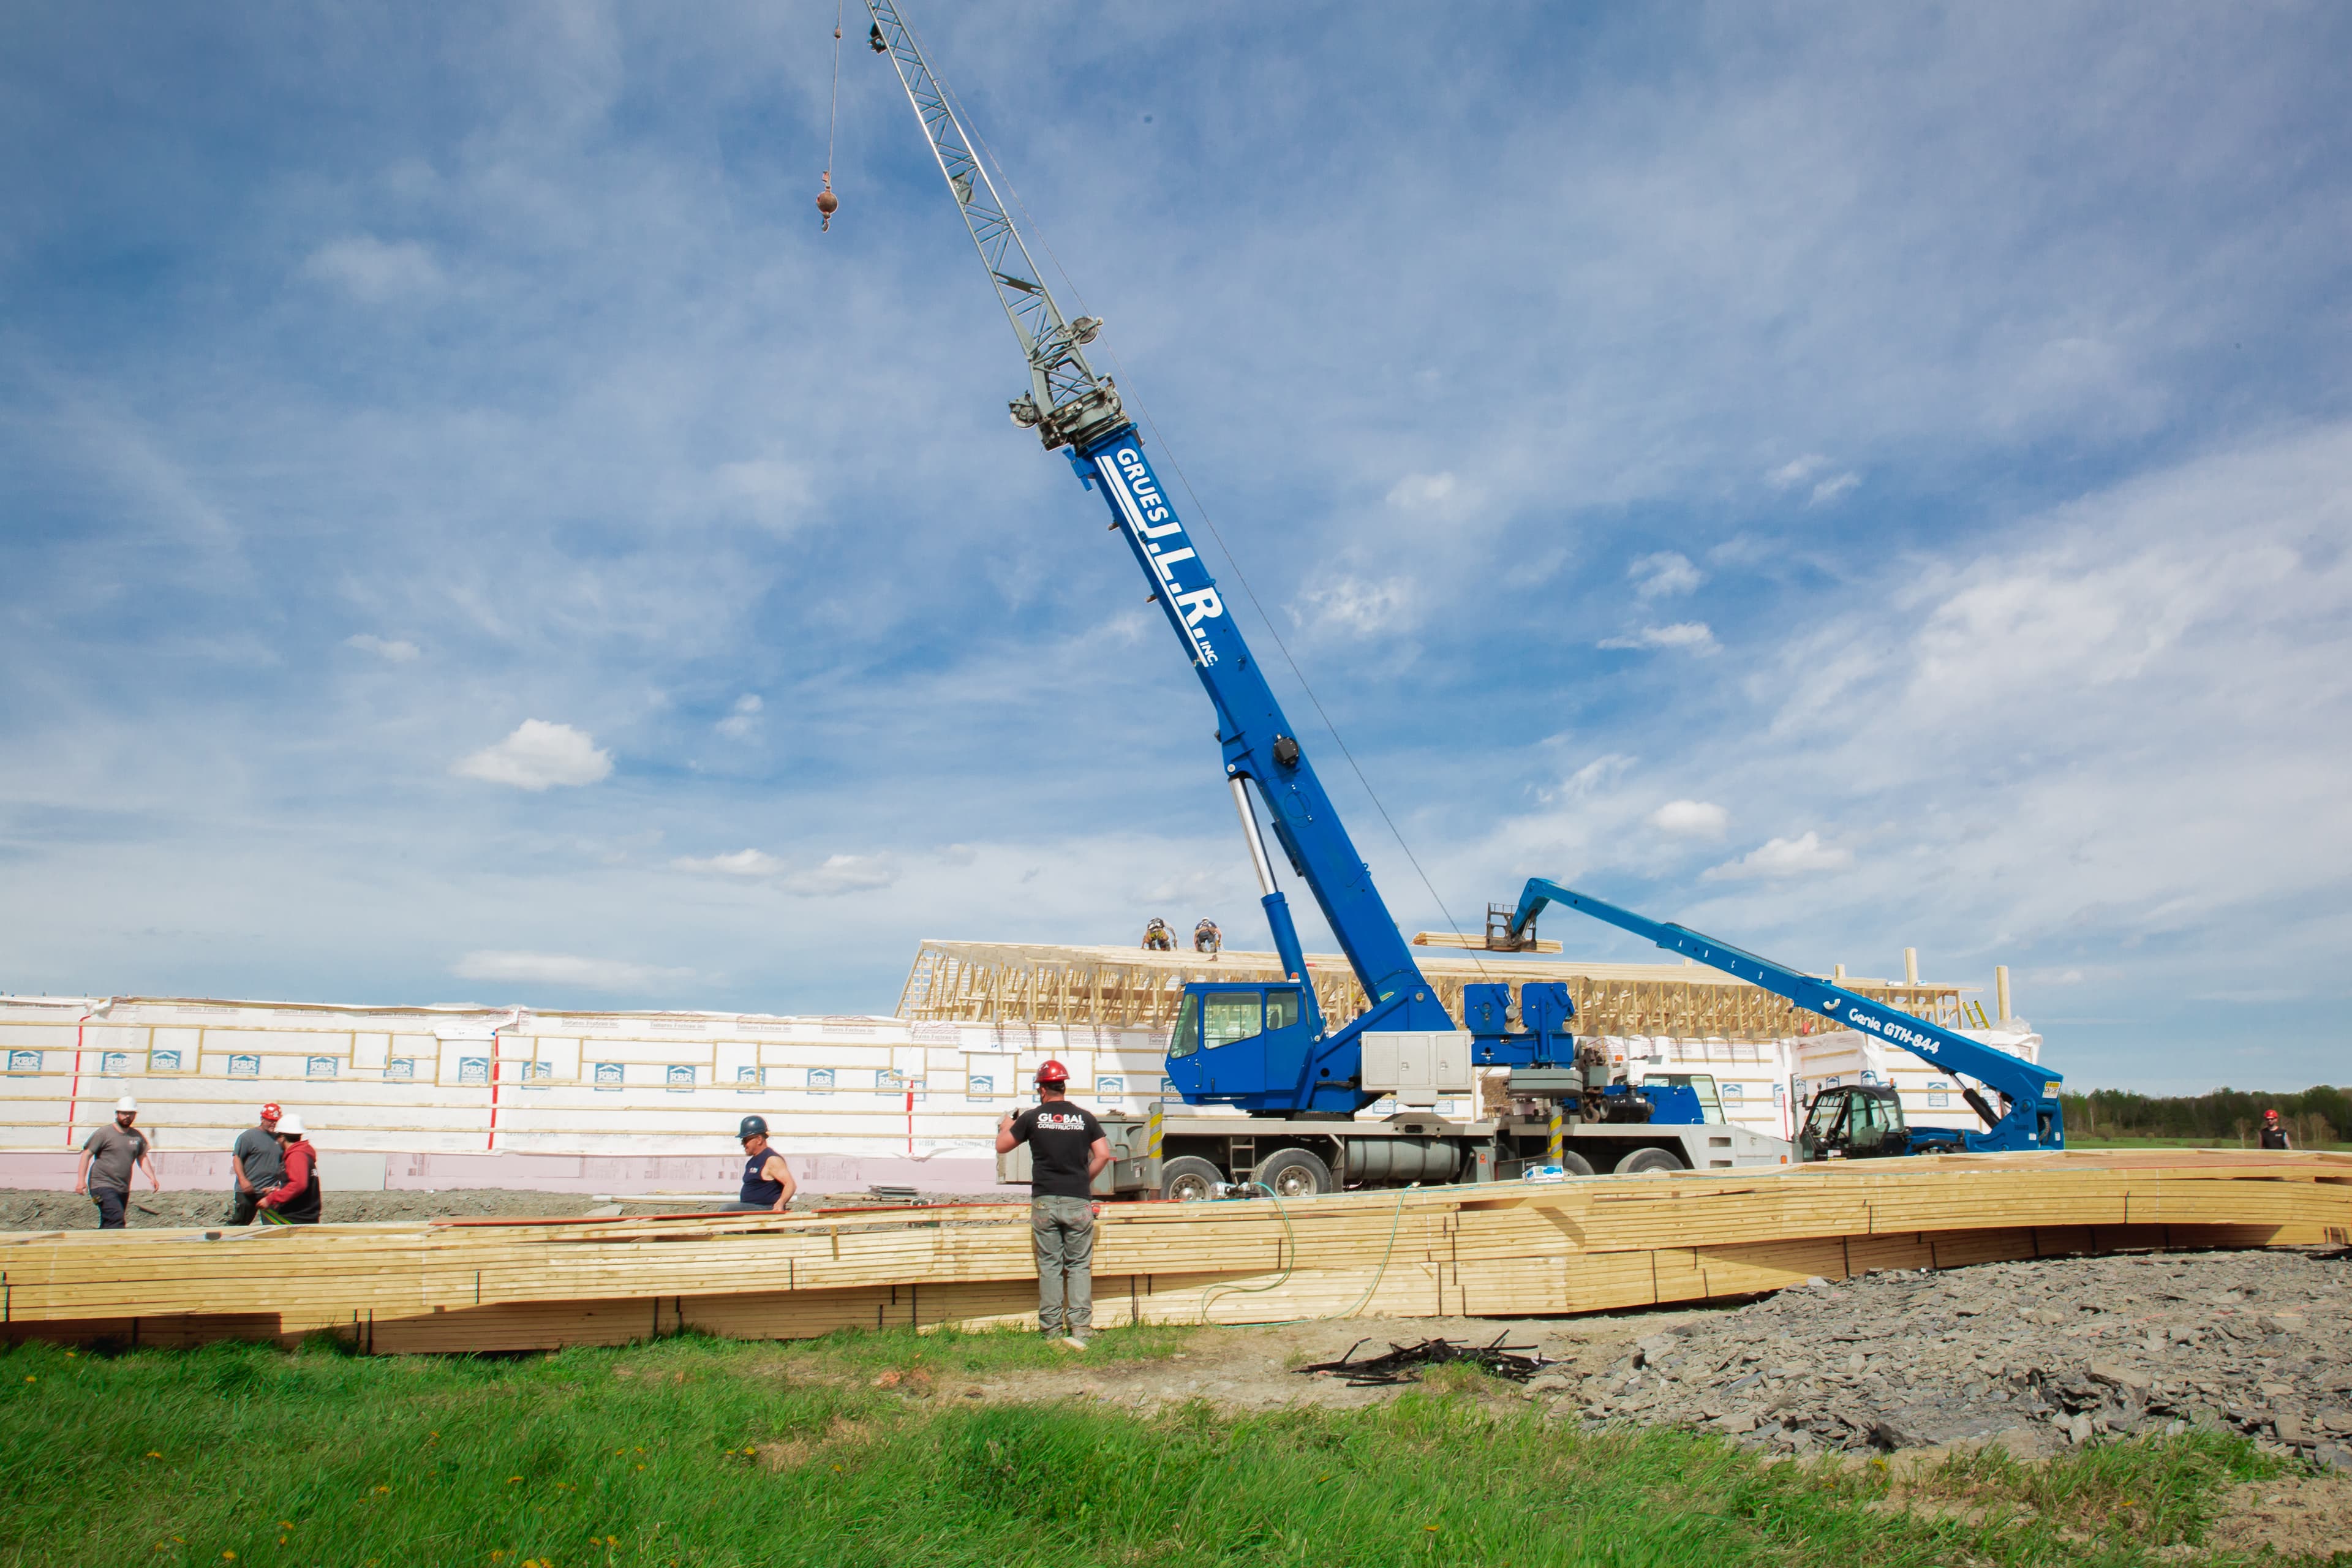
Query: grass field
{"points": [[693, 1452], [2087, 1140]]}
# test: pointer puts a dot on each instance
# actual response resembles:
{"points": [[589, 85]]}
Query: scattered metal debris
{"points": [[1403, 1363]]}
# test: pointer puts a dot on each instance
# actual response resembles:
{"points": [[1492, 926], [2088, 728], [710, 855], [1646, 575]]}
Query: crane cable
{"points": [[981, 144], [827, 203]]}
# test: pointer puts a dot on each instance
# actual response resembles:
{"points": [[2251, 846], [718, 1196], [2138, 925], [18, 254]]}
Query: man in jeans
{"points": [[106, 1162], [259, 1165], [1067, 1152]]}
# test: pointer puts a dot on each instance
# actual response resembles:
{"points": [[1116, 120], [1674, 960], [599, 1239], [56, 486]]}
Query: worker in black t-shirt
{"points": [[2273, 1135], [1067, 1150]]}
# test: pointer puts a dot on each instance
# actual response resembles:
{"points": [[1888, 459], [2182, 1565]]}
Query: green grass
{"points": [[2088, 1140], [638, 1457]]}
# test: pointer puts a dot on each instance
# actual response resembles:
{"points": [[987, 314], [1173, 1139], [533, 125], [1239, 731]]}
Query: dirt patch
{"points": [[1244, 1369], [792, 1453], [2294, 1515]]}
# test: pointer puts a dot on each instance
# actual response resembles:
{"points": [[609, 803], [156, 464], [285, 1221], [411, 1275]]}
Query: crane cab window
{"points": [[1701, 1085], [1227, 1017], [1281, 1007], [1187, 1037], [1828, 1110]]}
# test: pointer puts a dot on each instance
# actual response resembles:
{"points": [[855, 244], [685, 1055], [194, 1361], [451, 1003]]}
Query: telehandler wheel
{"points": [[1642, 1161], [1188, 1179], [1294, 1173]]}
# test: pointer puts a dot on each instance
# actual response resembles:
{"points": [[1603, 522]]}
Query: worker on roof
{"points": [[107, 1158], [1157, 938], [1067, 1150], [766, 1181], [298, 1200], [1207, 938], [259, 1164], [2273, 1134]]}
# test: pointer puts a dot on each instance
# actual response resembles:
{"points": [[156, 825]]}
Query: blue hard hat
{"points": [[753, 1127]]}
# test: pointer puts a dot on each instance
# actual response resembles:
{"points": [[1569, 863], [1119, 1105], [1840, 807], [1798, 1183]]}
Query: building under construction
{"points": [[563, 1099]]}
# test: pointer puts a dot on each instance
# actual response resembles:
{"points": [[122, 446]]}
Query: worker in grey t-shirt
{"points": [[259, 1165], [106, 1162]]}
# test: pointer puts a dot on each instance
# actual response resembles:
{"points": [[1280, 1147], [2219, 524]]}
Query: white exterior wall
{"points": [[467, 1081]]}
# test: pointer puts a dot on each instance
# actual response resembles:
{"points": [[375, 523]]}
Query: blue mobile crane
{"points": [[1265, 1048]]}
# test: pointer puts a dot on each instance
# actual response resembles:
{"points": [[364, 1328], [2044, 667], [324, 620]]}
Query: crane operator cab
{"points": [[1231, 1042], [1864, 1121]]}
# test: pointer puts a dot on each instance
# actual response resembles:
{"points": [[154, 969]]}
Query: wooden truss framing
{"points": [[1132, 988]]}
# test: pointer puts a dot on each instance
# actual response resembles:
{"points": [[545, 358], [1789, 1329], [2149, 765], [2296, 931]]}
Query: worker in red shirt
{"points": [[296, 1202]]}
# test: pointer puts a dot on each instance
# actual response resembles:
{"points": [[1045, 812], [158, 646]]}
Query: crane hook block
{"points": [[827, 203], [874, 41]]}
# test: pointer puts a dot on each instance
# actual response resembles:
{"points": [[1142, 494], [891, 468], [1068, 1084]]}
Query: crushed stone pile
{"points": [[2032, 1356]]}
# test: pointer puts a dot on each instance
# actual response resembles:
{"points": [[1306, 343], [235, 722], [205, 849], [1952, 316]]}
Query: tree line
{"points": [[2315, 1116]]}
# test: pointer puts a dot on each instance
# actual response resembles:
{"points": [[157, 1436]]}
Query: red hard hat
{"points": [[1052, 1072], [270, 1113], [2272, 1114]]}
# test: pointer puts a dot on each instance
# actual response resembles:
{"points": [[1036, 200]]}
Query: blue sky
{"points": [[1844, 477]]}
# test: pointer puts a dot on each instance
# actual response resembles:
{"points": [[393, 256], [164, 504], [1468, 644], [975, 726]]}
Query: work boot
{"points": [[1076, 1341]]}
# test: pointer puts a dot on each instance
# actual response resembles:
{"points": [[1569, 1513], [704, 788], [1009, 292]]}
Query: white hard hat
{"points": [[126, 1103], [292, 1122]]}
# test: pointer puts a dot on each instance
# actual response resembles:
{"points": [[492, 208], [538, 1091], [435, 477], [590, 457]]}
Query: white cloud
{"points": [[1801, 471], [1829, 489], [1439, 497], [1782, 857], [1690, 819], [958, 854], [741, 717], [740, 863], [843, 874], [390, 650], [372, 272], [566, 969], [1667, 572], [1695, 636], [775, 494], [537, 756], [1360, 608]]}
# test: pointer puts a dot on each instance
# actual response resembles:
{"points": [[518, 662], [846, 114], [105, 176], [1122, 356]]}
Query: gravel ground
{"points": [[2032, 1356]]}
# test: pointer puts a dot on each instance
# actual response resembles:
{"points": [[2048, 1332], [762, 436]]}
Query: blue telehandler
{"points": [[1264, 1048]]}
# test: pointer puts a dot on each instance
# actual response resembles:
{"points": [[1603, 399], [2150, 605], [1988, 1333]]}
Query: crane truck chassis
{"points": [[1173, 1154]]}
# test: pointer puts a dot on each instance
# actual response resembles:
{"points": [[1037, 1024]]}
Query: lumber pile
{"points": [[1497, 1249]]}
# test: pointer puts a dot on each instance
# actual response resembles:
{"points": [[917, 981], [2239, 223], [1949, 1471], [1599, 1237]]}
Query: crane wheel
{"points": [[1293, 1173], [1649, 1162], [1188, 1179]]}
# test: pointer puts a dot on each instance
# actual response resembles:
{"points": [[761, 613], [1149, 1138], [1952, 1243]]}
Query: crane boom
{"points": [[1265, 1047], [1299, 1066], [1066, 401], [2031, 1120]]}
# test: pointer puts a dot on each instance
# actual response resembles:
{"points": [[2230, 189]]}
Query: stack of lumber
{"points": [[1495, 1249]]}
